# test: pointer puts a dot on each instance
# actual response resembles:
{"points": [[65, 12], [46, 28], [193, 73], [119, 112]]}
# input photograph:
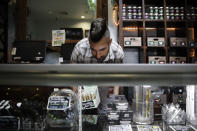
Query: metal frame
{"points": [[97, 74]]}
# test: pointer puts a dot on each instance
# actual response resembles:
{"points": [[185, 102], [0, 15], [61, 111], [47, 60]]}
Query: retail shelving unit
{"points": [[165, 19]]}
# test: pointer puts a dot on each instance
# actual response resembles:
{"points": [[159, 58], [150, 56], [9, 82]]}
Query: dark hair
{"points": [[97, 29]]}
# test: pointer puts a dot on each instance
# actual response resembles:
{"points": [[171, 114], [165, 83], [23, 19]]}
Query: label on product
{"points": [[61, 59], [13, 51], [59, 102], [124, 127], [88, 104]]}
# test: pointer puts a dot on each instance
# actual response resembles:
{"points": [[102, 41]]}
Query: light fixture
{"points": [[82, 17]]}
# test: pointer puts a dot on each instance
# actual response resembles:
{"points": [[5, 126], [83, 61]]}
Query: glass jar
{"points": [[161, 10], [181, 9], [172, 16], [134, 9], [156, 9], [129, 15], [151, 16], [134, 15], [161, 16], [151, 9], [124, 8], [176, 16], [146, 16], [139, 9], [171, 9], [167, 16], [143, 111], [182, 16], [123, 14], [129, 8], [156, 16], [139, 16], [167, 9]]}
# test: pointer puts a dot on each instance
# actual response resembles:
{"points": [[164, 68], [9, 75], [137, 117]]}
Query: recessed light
{"points": [[82, 17]]}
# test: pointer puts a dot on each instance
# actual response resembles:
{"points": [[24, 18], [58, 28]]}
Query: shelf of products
{"points": [[166, 24]]}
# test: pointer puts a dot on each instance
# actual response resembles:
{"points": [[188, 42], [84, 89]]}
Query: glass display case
{"points": [[151, 97]]}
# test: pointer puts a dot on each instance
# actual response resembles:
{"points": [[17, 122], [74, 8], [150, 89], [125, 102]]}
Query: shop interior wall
{"points": [[41, 29]]}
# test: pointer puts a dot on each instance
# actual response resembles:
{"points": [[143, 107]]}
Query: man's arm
{"points": [[74, 56]]}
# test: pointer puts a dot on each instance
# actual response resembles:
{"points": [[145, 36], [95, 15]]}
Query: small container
{"points": [[134, 9], [167, 16], [129, 15], [177, 10], [146, 16], [134, 15], [182, 16], [129, 8], [171, 9], [143, 112], [124, 6], [181, 9], [177, 17], [156, 17], [172, 16], [156, 9], [139, 9], [139, 16], [160, 9], [167, 10], [124, 14], [151, 9], [151, 17], [124, 10], [161, 16], [189, 16]]}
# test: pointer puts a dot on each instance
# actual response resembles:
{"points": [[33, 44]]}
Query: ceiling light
{"points": [[82, 17]]}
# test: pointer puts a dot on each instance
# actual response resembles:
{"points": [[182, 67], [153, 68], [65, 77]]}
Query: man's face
{"points": [[100, 49]]}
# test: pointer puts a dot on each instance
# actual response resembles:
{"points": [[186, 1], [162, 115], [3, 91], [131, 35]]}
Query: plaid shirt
{"points": [[82, 53]]}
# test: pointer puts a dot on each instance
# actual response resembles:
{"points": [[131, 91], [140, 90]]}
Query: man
{"points": [[98, 48]]}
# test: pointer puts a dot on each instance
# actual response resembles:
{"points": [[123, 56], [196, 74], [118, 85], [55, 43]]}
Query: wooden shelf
{"points": [[177, 47], [149, 20], [157, 27], [132, 20], [155, 47], [176, 21]]}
